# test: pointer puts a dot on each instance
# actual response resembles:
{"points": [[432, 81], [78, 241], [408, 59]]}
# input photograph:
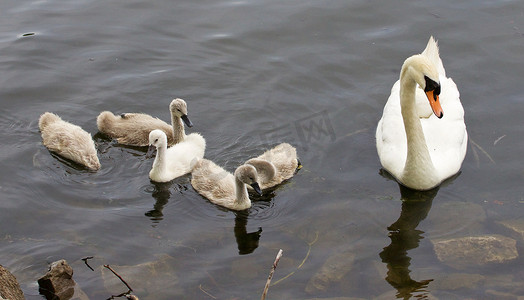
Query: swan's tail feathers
{"points": [[432, 53]]}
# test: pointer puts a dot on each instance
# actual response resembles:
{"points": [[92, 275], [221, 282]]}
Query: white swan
{"points": [[275, 165], [223, 188], [133, 128], [177, 160], [420, 143], [68, 140]]}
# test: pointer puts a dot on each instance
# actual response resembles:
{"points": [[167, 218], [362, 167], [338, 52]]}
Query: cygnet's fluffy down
{"points": [[275, 165], [177, 160], [68, 140], [223, 188], [133, 128]]}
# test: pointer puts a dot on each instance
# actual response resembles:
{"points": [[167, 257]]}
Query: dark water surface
{"points": [[254, 73]]}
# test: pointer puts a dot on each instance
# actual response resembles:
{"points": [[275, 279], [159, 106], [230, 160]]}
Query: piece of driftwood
{"points": [[127, 294], [268, 282]]}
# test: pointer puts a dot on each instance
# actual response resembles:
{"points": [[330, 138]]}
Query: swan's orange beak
{"points": [[435, 103]]}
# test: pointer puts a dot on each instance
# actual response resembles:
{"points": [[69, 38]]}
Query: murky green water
{"points": [[314, 74]]}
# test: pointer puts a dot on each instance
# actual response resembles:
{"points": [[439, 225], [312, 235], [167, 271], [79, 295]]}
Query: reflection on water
{"points": [[161, 193], [405, 236], [246, 242]]}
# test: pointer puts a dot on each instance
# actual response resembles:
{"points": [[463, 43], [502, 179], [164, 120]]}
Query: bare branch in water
{"points": [[277, 259], [498, 140], [126, 294], [85, 261], [310, 244], [482, 150], [204, 291]]}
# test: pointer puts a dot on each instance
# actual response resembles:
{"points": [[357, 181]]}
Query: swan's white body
{"points": [[177, 160], [68, 140], [223, 188], [414, 145], [275, 165], [133, 128]]}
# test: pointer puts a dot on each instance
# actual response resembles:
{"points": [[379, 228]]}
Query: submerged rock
{"points": [[461, 253], [58, 283], [333, 270], [155, 279], [9, 287]]}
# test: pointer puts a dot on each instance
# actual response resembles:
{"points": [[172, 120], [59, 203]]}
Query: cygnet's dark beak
{"points": [[255, 186], [187, 121], [150, 151]]}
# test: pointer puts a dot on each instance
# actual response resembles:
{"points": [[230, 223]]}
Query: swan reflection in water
{"points": [[247, 242], [161, 193], [405, 236]]}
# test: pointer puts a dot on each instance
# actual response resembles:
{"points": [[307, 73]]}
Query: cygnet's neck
{"points": [[418, 168], [242, 197], [178, 129], [265, 169], [159, 164]]}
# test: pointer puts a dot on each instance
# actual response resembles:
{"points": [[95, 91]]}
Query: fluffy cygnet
{"points": [[177, 160], [68, 140], [223, 188], [133, 128]]}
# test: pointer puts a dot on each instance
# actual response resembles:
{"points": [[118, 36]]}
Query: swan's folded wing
{"points": [[447, 137], [132, 128], [450, 100], [183, 156]]}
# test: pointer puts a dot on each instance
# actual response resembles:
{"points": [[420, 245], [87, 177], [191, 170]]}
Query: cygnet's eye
{"points": [[156, 140]]}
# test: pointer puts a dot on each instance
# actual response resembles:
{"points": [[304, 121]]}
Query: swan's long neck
{"points": [[242, 197], [178, 129], [419, 167], [159, 164]]}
